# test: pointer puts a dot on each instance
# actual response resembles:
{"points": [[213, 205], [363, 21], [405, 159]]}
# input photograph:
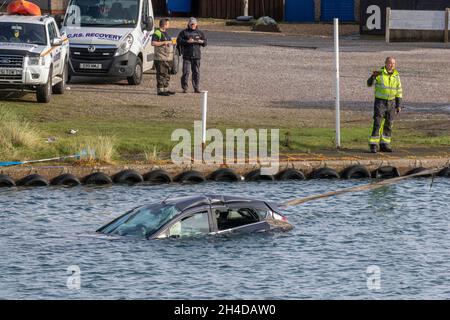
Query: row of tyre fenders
{"points": [[159, 176]]}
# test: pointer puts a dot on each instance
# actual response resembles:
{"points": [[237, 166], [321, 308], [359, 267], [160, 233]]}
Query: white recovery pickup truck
{"points": [[33, 56]]}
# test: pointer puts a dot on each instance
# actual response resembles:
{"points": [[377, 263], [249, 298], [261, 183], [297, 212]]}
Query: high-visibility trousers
{"points": [[383, 121]]}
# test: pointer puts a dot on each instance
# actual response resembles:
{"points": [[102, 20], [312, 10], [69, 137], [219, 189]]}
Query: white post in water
{"points": [[204, 113], [337, 98]]}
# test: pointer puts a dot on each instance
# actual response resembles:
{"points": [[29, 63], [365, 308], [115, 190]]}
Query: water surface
{"points": [[401, 229]]}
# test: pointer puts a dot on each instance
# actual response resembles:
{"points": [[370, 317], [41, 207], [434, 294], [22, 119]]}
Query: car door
{"points": [[192, 223], [56, 53]]}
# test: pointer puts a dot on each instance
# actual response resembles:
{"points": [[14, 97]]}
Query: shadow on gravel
{"points": [[123, 90], [99, 80]]}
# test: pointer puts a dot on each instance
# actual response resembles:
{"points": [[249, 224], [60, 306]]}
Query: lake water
{"points": [[402, 231]]}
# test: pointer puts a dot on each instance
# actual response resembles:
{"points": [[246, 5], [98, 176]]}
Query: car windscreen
{"points": [[13, 32], [142, 221], [104, 13]]}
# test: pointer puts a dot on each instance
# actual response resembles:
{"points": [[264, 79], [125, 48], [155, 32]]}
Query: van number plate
{"points": [[90, 65], [10, 72]]}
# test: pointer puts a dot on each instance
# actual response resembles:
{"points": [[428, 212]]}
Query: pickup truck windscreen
{"points": [[103, 13], [23, 33]]}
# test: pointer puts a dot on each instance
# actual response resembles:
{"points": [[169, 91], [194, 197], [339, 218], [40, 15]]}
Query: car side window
{"points": [[52, 32], [56, 29], [196, 224], [263, 213], [235, 217]]}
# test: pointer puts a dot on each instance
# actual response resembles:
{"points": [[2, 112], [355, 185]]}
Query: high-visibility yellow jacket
{"points": [[388, 86], [162, 53]]}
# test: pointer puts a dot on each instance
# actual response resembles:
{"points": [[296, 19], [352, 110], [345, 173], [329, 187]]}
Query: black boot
{"points": [[385, 148], [373, 148]]}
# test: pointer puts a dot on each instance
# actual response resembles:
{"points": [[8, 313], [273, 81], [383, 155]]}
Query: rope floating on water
{"points": [[388, 182]]}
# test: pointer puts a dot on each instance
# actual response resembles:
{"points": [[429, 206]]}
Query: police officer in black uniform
{"points": [[191, 40]]}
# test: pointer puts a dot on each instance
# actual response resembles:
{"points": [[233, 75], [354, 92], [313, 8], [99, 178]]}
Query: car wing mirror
{"points": [[56, 42], [149, 24]]}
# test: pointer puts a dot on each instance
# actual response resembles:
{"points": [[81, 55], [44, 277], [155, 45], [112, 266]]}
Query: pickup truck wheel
{"points": [[136, 78], [60, 87], [44, 91]]}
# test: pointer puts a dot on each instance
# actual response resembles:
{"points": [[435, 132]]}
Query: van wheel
{"points": [[44, 91], [136, 78], [60, 87]]}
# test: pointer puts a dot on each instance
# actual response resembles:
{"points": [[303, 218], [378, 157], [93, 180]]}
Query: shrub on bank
{"points": [[98, 149], [16, 133]]}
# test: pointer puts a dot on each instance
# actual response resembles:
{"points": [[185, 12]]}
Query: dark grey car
{"points": [[198, 215]]}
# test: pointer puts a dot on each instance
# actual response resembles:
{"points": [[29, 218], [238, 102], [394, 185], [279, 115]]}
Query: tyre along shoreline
{"points": [[198, 173]]}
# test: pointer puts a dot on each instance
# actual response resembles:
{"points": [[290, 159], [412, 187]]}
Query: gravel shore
{"points": [[261, 80], [279, 80]]}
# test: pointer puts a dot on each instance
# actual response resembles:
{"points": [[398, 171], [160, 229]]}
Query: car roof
{"points": [[25, 19], [188, 202]]}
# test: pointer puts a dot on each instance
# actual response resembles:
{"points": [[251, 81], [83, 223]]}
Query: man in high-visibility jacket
{"points": [[388, 99], [163, 57]]}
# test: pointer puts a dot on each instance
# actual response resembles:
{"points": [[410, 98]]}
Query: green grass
{"points": [[129, 136], [138, 138]]}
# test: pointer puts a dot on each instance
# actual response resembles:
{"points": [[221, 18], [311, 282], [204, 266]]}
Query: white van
{"points": [[110, 38]]}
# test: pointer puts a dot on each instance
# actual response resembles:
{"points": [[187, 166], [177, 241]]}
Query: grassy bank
{"points": [[33, 131]]}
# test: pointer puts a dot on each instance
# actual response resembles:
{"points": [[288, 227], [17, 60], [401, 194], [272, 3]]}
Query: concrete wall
{"points": [[403, 165], [417, 35]]}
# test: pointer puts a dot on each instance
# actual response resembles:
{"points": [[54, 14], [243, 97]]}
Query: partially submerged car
{"points": [[198, 215]]}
